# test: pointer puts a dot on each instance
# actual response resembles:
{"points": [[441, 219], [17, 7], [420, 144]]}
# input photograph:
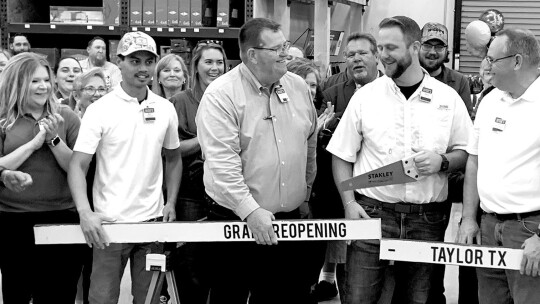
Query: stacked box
{"points": [[135, 12], [161, 13], [111, 12], [222, 17], [184, 13], [196, 14], [79, 54], [172, 12], [149, 12]]}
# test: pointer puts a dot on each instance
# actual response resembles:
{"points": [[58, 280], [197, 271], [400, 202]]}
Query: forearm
{"points": [[173, 174], [13, 160], [77, 185], [311, 166], [342, 170], [62, 153], [471, 199], [457, 159], [190, 146]]}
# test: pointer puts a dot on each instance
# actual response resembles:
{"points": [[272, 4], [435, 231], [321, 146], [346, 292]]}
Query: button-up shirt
{"points": [[112, 73], [380, 126], [259, 149], [507, 143]]}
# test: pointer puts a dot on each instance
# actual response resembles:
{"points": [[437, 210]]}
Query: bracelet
{"points": [[347, 203]]}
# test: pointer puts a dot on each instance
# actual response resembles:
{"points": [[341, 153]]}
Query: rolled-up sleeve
{"points": [[218, 132]]}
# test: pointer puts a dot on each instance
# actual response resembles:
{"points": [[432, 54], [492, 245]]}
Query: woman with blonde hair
{"points": [[171, 76], [36, 137]]}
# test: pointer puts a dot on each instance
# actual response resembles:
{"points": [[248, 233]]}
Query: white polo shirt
{"points": [[129, 172], [506, 139], [380, 126]]}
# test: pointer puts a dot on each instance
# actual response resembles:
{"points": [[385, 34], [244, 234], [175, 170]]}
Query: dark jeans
{"points": [[507, 286], [281, 273], [44, 273], [365, 272]]}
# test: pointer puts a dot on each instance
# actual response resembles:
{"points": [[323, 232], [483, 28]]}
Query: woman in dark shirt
{"points": [[37, 136], [208, 63]]}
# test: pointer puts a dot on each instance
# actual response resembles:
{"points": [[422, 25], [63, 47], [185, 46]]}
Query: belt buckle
{"points": [[402, 208]]}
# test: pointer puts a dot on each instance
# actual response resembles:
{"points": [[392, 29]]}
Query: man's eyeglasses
{"points": [[428, 47], [279, 50], [92, 91], [491, 61]]}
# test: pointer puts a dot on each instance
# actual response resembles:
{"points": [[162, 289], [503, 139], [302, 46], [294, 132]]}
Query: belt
{"points": [[401, 207], [514, 216]]}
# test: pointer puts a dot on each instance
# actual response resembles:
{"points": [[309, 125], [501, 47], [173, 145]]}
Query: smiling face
{"points": [[172, 76], [68, 69], [500, 72], [270, 65], [210, 66], [137, 69], [84, 97], [432, 60], [97, 52], [394, 53], [39, 90], [311, 80]]}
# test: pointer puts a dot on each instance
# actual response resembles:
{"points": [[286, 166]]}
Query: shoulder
{"points": [[66, 112]]}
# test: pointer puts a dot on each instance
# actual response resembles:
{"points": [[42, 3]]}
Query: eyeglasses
{"points": [[279, 50], [206, 42], [92, 91], [491, 61], [428, 47]]}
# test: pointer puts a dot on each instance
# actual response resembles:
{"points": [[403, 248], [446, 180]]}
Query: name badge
{"points": [[499, 124], [426, 95], [282, 95], [149, 115]]}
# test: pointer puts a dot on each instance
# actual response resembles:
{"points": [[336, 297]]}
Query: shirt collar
{"points": [[531, 94], [395, 89], [119, 91], [244, 70]]}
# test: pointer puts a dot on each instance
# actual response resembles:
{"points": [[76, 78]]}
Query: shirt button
{"points": [[279, 140], [283, 184], [283, 163], [275, 119]]}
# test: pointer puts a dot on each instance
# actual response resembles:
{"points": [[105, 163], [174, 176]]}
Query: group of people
{"points": [[266, 141]]}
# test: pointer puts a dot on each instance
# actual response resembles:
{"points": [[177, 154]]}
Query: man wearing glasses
{"points": [[502, 169], [256, 127]]}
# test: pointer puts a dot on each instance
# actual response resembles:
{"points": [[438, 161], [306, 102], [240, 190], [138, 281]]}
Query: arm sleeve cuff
{"points": [[247, 206]]}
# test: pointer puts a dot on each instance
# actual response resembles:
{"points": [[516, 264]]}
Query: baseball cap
{"points": [[136, 41], [433, 30]]}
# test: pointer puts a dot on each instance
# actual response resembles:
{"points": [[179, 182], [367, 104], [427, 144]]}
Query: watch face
{"points": [[55, 141]]}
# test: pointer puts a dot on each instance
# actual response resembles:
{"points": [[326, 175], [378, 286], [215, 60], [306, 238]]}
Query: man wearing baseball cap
{"points": [[127, 129]]}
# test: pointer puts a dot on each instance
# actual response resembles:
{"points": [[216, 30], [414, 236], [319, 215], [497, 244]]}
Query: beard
{"points": [[431, 63], [99, 61], [401, 65]]}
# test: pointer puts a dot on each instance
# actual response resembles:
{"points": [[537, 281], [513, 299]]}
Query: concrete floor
{"points": [[450, 280]]}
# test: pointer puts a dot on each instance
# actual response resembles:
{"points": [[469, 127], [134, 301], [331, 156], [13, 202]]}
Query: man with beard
{"points": [[97, 57], [18, 44], [434, 54], [389, 119], [256, 108], [129, 129], [361, 57]]}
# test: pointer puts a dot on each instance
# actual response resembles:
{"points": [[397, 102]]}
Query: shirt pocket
{"points": [[434, 130]]}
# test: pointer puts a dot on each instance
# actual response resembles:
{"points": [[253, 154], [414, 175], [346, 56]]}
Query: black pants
{"points": [[44, 273], [279, 273]]}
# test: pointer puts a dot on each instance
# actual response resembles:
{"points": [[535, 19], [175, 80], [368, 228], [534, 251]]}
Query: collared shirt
{"points": [[458, 82], [507, 143], [112, 73], [259, 150], [380, 127], [129, 173], [49, 190]]}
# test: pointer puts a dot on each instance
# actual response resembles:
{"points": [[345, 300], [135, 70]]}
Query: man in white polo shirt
{"points": [[127, 129], [388, 119], [503, 168]]}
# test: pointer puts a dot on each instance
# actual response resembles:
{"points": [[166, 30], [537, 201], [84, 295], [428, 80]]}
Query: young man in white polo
{"points": [[127, 129]]}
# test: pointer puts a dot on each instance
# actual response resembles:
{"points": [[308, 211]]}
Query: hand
{"points": [[169, 213], [92, 229], [51, 124], [354, 211], [531, 257], [260, 224], [38, 140], [16, 181], [428, 162], [468, 230], [327, 115]]}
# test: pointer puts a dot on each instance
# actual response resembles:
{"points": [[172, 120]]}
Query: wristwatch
{"points": [[55, 141], [444, 164]]}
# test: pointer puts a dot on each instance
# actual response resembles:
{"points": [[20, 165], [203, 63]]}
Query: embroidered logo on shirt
{"points": [[499, 125]]}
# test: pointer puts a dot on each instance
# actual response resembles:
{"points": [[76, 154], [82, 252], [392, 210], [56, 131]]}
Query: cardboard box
{"points": [[172, 12], [113, 49], [76, 15], [135, 12], [208, 11], [161, 13], [223, 13], [184, 13], [51, 54], [79, 54], [196, 15], [111, 12], [149, 12]]}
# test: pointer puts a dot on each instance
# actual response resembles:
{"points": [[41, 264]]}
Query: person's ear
{"points": [[252, 56], [518, 61]]}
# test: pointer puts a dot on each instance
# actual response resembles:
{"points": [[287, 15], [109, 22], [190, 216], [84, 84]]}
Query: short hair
{"points": [[94, 39], [410, 29], [365, 36], [523, 42], [57, 65], [250, 32], [302, 67], [12, 37], [164, 62], [81, 80], [197, 54], [15, 87]]}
